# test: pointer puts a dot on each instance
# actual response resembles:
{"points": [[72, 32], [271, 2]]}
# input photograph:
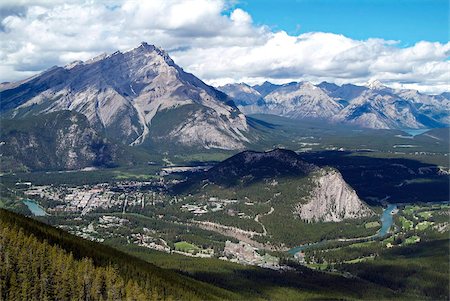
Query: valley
{"points": [[224, 227], [128, 166], [167, 207]]}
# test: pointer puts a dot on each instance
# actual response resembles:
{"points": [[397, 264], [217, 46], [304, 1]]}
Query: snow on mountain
{"points": [[375, 84], [122, 93]]}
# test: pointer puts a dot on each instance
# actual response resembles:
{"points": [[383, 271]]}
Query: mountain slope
{"points": [[251, 166], [59, 140], [121, 93], [375, 109], [301, 100], [246, 98], [100, 265], [371, 106]]}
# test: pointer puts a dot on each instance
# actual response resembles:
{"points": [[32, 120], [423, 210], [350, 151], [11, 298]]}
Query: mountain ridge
{"points": [[122, 92], [373, 105]]}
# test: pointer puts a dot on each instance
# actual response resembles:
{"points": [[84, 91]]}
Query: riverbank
{"points": [[386, 220]]}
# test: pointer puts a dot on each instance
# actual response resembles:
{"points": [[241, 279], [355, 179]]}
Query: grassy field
{"points": [[184, 246], [425, 214], [406, 223], [423, 225], [374, 224]]}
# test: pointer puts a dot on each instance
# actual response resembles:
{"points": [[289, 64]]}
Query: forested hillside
{"points": [[38, 262], [33, 269]]}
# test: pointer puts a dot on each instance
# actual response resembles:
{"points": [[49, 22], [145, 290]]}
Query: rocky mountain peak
{"points": [[145, 49], [375, 84], [122, 93]]}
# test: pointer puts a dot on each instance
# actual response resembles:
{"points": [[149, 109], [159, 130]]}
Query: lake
{"points": [[35, 208], [415, 132]]}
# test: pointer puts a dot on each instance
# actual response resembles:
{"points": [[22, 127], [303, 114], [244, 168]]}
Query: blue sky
{"points": [[409, 21], [225, 41]]}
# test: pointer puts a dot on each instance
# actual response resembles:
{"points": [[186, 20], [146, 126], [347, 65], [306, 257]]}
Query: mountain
{"points": [[383, 110], [251, 166], [292, 186], [342, 94], [139, 97], [301, 100], [58, 140], [436, 107], [373, 105], [265, 88], [294, 100], [246, 98]]}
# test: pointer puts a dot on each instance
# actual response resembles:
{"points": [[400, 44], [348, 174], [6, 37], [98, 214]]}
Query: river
{"points": [[386, 220], [35, 208]]}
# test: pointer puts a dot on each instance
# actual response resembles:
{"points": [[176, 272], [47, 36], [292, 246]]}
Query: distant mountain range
{"points": [[138, 97], [141, 97], [371, 106]]}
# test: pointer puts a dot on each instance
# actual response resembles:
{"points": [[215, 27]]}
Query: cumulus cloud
{"points": [[210, 38]]}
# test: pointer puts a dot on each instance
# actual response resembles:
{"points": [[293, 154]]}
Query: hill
{"points": [[282, 200], [60, 266]]}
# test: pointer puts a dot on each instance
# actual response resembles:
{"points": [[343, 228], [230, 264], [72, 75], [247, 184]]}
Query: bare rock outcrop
{"points": [[332, 200]]}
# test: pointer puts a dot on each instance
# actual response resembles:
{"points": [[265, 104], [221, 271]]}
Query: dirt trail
{"points": [[257, 220]]}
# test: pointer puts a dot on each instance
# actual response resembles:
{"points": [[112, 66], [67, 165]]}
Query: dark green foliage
{"points": [[110, 270], [250, 167], [10, 200], [373, 178], [31, 269], [253, 283], [61, 140], [420, 271]]}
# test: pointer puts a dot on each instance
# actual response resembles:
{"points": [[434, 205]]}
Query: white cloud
{"points": [[218, 47]]}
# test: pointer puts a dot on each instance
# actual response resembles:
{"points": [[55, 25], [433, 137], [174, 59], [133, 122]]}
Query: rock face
{"points": [[136, 96], [372, 106], [301, 100], [332, 200], [61, 140], [377, 110], [246, 98]]}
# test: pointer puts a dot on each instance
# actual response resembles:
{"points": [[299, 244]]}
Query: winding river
{"points": [[386, 220]]}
